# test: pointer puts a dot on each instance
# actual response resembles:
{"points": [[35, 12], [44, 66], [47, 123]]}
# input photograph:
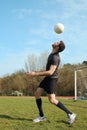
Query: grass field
{"points": [[16, 113]]}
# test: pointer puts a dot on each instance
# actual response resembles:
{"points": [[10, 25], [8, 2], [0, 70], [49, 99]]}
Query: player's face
{"points": [[55, 46]]}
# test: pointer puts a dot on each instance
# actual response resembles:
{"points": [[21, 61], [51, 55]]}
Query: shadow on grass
{"points": [[27, 119], [62, 121], [14, 118]]}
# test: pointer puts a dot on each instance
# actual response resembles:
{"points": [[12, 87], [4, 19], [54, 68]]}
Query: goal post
{"points": [[80, 82]]}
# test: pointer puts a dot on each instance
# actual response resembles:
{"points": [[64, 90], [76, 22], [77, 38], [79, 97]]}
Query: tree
{"points": [[66, 80], [35, 63], [84, 62]]}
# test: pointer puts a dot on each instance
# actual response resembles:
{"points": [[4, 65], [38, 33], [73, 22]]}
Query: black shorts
{"points": [[49, 85]]}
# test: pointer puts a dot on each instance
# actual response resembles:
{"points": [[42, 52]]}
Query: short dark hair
{"points": [[61, 46]]}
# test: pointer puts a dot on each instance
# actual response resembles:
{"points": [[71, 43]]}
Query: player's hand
{"points": [[31, 73]]}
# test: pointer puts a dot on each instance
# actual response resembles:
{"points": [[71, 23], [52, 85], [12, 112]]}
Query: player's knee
{"points": [[52, 101], [37, 95]]}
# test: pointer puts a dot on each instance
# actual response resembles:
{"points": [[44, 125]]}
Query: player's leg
{"points": [[38, 93], [51, 95], [54, 101]]}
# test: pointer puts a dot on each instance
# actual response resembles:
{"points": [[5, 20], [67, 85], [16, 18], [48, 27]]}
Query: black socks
{"points": [[61, 106], [39, 105]]}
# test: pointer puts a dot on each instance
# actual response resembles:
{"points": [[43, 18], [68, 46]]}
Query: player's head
{"points": [[58, 46], [61, 46]]}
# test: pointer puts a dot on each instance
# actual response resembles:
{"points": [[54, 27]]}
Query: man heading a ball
{"points": [[49, 83]]}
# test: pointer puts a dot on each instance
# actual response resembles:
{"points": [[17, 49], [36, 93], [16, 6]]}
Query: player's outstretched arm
{"points": [[43, 73]]}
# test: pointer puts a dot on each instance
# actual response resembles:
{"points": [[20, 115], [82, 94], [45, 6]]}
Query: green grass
{"points": [[17, 114]]}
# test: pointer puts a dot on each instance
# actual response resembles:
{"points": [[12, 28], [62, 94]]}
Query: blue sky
{"points": [[27, 26]]}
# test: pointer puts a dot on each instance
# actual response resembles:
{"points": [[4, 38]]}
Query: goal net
{"points": [[81, 83]]}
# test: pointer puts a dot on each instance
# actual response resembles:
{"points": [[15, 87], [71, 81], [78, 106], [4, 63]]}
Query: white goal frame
{"points": [[75, 79]]}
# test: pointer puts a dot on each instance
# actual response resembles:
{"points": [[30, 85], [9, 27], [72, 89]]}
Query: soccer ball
{"points": [[59, 28]]}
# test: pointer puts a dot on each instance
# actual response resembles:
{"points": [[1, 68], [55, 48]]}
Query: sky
{"points": [[27, 27]]}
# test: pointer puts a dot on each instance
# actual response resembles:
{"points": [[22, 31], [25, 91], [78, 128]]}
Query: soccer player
{"points": [[49, 83]]}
